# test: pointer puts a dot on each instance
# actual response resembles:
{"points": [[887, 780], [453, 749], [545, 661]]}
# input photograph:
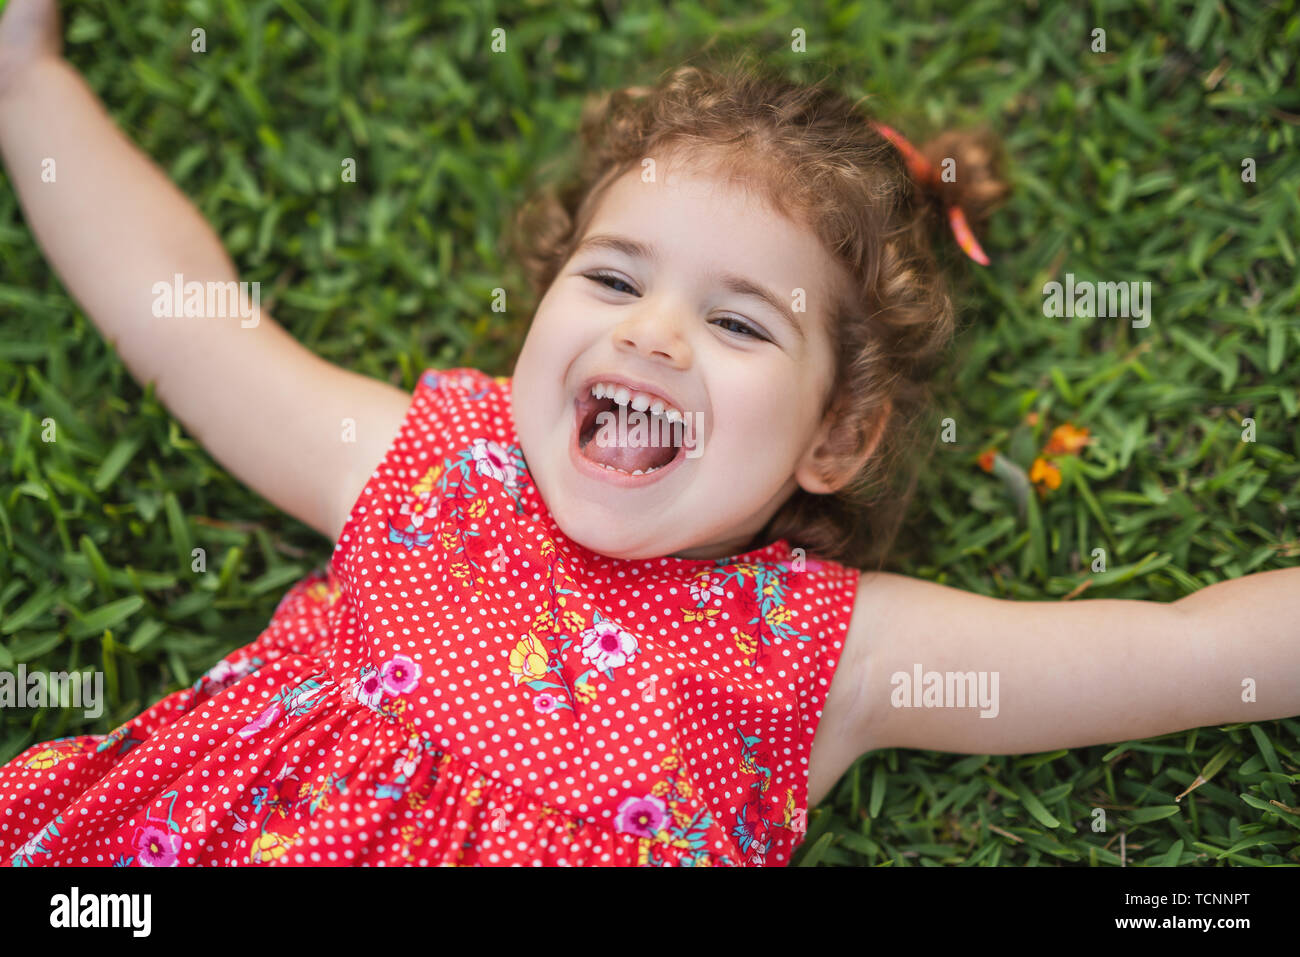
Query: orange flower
{"points": [[1066, 440], [986, 460], [1031, 418], [1045, 474]]}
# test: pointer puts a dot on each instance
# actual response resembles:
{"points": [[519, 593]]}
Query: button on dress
{"points": [[463, 685]]}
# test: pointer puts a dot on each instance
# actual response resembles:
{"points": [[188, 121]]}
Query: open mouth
{"points": [[621, 440]]}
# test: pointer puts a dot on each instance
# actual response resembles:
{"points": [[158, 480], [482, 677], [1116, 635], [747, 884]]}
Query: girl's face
{"points": [[673, 319]]}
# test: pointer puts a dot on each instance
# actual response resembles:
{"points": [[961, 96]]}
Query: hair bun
{"points": [[968, 164]]}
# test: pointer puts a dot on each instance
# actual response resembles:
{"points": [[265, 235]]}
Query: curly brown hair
{"points": [[817, 159]]}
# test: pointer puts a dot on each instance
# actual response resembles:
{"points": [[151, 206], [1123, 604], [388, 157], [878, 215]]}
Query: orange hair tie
{"points": [[924, 173]]}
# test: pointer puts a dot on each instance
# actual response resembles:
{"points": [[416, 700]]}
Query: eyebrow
{"points": [[739, 285]]}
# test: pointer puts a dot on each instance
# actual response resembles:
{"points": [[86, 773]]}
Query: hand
{"points": [[29, 31]]}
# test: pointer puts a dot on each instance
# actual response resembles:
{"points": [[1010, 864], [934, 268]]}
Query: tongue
{"points": [[629, 459], [636, 453]]}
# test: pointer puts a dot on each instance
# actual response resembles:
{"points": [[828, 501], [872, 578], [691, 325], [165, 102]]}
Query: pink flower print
{"points": [[263, 720], [424, 506], [606, 645], [545, 703], [644, 817], [369, 689], [224, 673], [493, 461], [157, 848], [704, 588], [400, 674]]}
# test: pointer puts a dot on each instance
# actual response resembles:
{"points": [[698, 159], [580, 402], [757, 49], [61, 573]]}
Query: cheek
{"points": [[758, 422]]}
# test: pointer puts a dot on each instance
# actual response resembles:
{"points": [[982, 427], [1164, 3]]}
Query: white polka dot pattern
{"points": [[464, 685]]}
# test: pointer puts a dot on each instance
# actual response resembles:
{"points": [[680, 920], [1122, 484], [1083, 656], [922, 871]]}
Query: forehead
{"points": [[703, 223]]}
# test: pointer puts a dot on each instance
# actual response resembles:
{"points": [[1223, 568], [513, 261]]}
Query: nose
{"points": [[655, 332]]}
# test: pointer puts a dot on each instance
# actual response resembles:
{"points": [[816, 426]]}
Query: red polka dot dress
{"points": [[463, 685]]}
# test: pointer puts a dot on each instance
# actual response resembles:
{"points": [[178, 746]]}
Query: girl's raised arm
{"points": [[933, 667], [114, 228]]}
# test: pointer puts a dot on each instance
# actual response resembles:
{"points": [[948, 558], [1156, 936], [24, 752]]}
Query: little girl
{"points": [[539, 640]]}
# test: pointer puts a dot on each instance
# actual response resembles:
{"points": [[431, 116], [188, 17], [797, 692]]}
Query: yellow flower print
{"points": [[528, 660], [477, 508], [661, 789], [475, 795], [410, 838], [543, 623], [699, 614], [789, 805], [585, 692], [47, 758], [573, 621], [777, 615], [548, 548], [428, 481], [669, 762], [746, 642], [270, 847], [449, 541]]}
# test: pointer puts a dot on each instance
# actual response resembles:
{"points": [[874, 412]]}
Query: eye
{"points": [[600, 277], [608, 280], [744, 328]]}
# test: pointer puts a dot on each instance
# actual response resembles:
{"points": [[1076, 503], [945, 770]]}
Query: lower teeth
{"points": [[623, 471], [611, 468]]}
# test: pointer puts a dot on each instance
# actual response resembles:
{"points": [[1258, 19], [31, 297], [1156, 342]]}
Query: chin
{"points": [[597, 536]]}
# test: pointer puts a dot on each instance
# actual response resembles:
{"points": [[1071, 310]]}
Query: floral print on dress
{"points": [[667, 817], [436, 506], [758, 817], [28, 853], [463, 685], [761, 594], [604, 646]]}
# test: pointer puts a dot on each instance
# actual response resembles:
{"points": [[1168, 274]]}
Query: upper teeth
{"points": [[639, 401]]}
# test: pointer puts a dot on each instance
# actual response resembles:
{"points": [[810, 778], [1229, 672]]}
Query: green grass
{"points": [[1126, 165]]}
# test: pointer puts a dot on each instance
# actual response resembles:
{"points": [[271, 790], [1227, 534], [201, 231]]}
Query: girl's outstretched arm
{"points": [[113, 226], [1066, 674]]}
